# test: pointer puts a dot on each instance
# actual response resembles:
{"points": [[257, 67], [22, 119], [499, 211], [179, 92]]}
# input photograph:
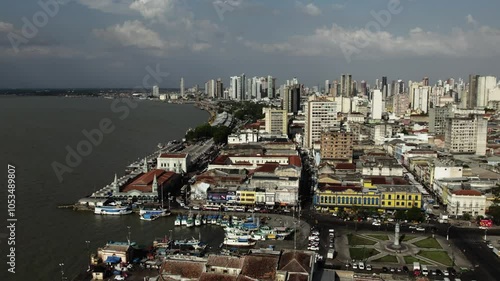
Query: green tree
{"points": [[415, 214], [466, 217], [494, 211], [400, 215]]}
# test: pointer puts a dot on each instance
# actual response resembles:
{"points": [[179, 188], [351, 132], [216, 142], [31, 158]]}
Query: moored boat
{"points": [[149, 217], [113, 210], [197, 220], [177, 221], [239, 242]]}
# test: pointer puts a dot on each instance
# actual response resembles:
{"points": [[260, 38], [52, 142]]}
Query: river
{"points": [[36, 132]]}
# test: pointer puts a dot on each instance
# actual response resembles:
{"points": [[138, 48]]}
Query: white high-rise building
{"points": [[321, 114], [271, 87], [156, 91], [276, 121], [485, 84], [210, 88], [233, 87], [182, 86], [327, 86], [419, 97], [466, 134], [377, 105]]}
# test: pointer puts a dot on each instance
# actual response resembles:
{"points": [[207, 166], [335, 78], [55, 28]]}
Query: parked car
{"points": [[385, 269], [376, 223], [420, 228], [119, 277], [368, 267]]}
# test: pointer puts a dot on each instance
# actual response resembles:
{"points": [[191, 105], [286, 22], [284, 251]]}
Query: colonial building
{"points": [[179, 163], [462, 202]]}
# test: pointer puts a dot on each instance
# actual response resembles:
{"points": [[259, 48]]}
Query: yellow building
{"points": [[347, 198], [246, 196], [399, 196], [380, 196]]}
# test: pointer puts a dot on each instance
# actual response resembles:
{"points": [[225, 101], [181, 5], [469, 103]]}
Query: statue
{"points": [[396, 237]]}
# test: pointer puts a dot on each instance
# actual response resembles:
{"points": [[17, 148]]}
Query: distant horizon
{"points": [[128, 43]]}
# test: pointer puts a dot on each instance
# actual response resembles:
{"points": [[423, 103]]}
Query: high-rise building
{"points": [[291, 99], [470, 99], [346, 85], [385, 88], [271, 87], [210, 88], [400, 104], [466, 134], [400, 86], [219, 89], [182, 86], [237, 87], [425, 81], [321, 114], [233, 87], [363, 87], [377, 105], [156, 91], [336, 146], [419, 97], [327, 86], [276, 121], [485, 84]]}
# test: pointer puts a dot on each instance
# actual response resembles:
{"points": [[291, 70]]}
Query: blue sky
{"points": [[109, 43]]}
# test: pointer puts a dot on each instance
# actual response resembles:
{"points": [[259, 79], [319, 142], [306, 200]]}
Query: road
{"points": [[468, 240]]}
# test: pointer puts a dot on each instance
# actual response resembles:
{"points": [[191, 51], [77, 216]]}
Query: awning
{"points": [[113, 260]]}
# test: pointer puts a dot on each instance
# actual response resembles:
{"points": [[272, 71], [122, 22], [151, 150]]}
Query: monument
{"points": [[396, 237]]}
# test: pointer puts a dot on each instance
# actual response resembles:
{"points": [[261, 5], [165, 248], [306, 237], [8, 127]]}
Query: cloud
{"points": [[40, 51], [6, 27], [470, 20], [108, 6], [365, 44], [309, 9], [131, 33], [154, 9]]}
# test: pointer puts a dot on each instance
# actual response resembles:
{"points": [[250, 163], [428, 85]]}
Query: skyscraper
{"points": [[471, 97], [484, 85], [385, 89], [346, 85], [271, 87], [425, 81], [321, 114], [156, 91], [327, 86], [219, 89], [182, 86], [377, 105]]}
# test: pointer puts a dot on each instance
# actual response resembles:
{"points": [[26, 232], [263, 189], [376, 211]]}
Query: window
{"points": [[409, 197], [397, 196], [409, 204], [389, 197], [403, 197], [397, 203]]}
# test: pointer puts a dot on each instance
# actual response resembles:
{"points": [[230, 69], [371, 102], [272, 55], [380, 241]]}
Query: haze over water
{"points": [[34, 132]]}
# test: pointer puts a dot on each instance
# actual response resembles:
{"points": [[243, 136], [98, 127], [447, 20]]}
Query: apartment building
{"points": [[276, 121], [466, 134], [336, 146]]}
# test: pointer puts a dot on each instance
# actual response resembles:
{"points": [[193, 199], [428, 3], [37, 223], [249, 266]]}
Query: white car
{"points": [[412, 227], [489, 246], [313, 248], [119, 277], [446, 273], [420, 228], [196, 207], [376, 223], [368, 267], [354, 266]]}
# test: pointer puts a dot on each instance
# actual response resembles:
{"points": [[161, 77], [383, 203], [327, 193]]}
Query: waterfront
{"points": [[47, 236]]}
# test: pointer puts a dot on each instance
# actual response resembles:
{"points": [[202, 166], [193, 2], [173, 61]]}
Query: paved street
{"points": [[467, 243]]}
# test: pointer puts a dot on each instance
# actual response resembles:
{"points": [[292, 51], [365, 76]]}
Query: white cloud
{"points": [[6, 27], [131, 33], [108, 6], [154, 9], [40, 51], [470, 20], [309, 9], [482, 41]]}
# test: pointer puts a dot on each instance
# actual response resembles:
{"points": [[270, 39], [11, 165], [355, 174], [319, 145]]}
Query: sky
{"points": [[122, 43]]}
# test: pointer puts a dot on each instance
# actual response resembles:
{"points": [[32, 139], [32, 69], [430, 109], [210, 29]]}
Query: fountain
{"points": [[396, 246]]}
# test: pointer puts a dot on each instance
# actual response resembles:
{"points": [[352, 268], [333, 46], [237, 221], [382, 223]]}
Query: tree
{"points": [[400, 215], [494, 211], [415, 214], [466, 217]]}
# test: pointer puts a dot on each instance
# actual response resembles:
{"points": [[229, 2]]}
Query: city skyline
{"points": [[205, 39]]}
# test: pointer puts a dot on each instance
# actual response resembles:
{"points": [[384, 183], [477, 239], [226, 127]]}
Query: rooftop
{"points": [[261, 267]]}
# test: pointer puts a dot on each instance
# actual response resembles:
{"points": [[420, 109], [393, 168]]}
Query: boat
{"points": [[177, 221], [187, 242], [183, 220], [161, 212], [213, 220], [190, 221], [197, 220], [149, 217], [239, 242], [204, 220], [113, 210]]}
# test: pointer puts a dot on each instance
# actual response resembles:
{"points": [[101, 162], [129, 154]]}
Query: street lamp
{"points": [[62, 271], [448, 233], [485, 231]]}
